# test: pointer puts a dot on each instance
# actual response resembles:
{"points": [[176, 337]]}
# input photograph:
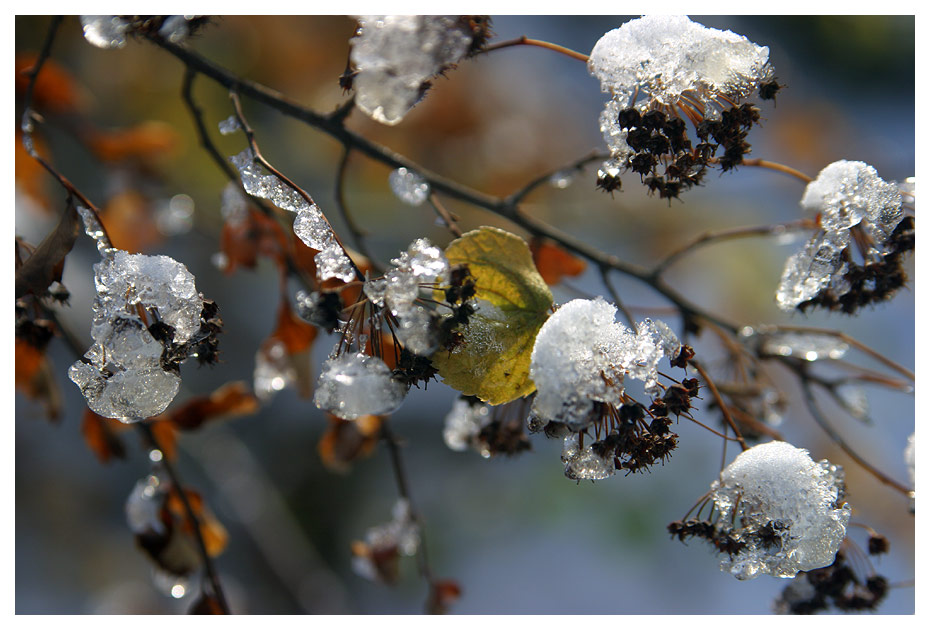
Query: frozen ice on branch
{"points": [[395, 56], [310, 225], [123, 375], [353, 385]]}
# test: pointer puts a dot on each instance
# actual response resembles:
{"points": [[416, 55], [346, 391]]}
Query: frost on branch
{"points": [[395, 56], [858, 207], [782, 512], [376, 557], [661, 70], [310, 225], [353, 385], [123, 375], [464, 423]]}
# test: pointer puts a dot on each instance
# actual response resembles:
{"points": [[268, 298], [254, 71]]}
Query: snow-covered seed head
{"points": [[670, 60], [787, 512], [353, 385], [582, 355], [661, 71], [849, 197]]}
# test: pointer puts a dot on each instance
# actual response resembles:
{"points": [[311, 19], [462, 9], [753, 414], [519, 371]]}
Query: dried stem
{"points": [[358, 234], [723, 406], [781, 168], [821, 420], [445, 215], [724, 235], [523, 40], [403, 489]]}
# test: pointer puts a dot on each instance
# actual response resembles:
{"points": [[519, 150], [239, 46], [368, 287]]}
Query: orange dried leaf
{"points": [[129, 220], [144, 142], [102, 436], [296, 334], [30, 176], [442, 594], [232, 399], [34, 378], [346, 441], [54, 91], [214, 534], [257, 235], [553, 262]]}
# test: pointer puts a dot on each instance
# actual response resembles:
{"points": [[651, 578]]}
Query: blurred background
{"points": [[513, 532]]}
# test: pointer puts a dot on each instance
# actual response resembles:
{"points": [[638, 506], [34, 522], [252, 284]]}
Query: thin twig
{"points": [[775, 166], [576, 165], [445, 215], [741, 232], [605, 278], [358, 234], [403, 489], [720, 403], [821, 420], [145, 428], [523, 40]]}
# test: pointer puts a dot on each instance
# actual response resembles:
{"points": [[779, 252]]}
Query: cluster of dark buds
{"points": [[837, 586], [721, 538], [663, 154], [876, 279]]}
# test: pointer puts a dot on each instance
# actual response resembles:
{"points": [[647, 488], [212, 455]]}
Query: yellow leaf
{"points": [[514, 301]]}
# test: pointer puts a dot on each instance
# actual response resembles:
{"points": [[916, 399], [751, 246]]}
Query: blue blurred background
{"points": [[514, 532]]}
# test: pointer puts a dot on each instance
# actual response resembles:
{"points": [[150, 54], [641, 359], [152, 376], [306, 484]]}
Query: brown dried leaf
{"points": [[30, 175], [232, 399], [166, 435], [296, 334], [35, 378], [46, 263], [206, 604], [101, 435], [346, 441], [553, 262]]}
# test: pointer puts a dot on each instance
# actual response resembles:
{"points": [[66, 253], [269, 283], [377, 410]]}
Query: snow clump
{"points": [[353, 385], [788, 512]]}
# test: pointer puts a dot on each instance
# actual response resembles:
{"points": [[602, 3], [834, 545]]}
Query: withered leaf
{"points": [[102, 436], [553, 262], [232, 399], [45, 264], [346, 441]]}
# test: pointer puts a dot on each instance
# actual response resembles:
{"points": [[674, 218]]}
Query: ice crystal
{"points": [[177, 216], [310, 225], [396, 55], [854, 400], [408, 186], [787, 511], [562, 179], [121, 375], [176, 28], [464, 423], [807, 346], [273, 370], [144, 505], [353, 385], [229, 126], [585, 463], [105, 31], [910, 458], [581, 356], [234, 206], [845, 194]]}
